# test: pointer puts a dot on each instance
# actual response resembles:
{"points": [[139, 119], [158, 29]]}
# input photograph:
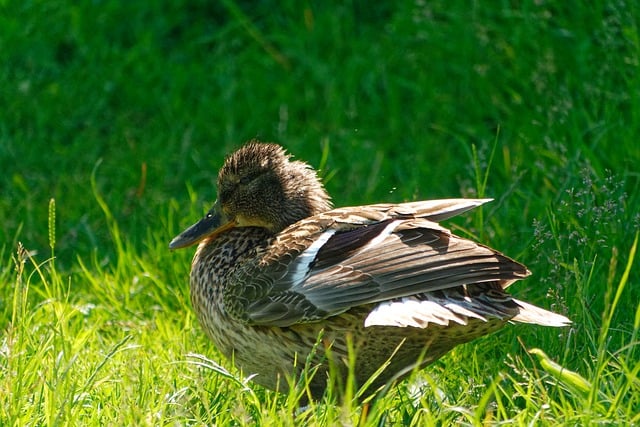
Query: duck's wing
{"points": [[351, 257]]}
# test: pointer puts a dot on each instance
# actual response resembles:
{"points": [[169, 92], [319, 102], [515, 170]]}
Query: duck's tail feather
{"points": [[529, 313]]}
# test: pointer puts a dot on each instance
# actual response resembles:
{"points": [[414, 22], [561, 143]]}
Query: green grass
{"points": [[121, 112]]}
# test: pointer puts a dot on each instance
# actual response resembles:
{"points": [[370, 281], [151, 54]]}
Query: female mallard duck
{"points": [[278, 271]]}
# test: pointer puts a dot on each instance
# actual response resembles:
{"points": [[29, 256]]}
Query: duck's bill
{"points": [[209, 226]]}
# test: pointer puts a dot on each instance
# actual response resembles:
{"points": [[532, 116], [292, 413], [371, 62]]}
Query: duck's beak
{"points": [[214, 223]]}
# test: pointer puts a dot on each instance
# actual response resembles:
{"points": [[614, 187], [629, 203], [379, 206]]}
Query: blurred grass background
{"points": [[159, 92], [395, 101]]}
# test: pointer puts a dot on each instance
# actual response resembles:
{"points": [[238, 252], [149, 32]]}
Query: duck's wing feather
{"points": [[357, 256]]}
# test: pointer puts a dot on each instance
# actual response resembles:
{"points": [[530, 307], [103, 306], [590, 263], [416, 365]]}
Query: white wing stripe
{"points": [[300, 269], [390, 228]]}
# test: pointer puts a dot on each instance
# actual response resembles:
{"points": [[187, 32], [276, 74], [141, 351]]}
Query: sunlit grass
{"points": [[119, 352]]}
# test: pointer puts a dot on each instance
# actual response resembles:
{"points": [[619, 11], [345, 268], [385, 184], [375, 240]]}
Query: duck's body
{"points": [[276, 290]]}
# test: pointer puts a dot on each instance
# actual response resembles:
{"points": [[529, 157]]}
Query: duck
{"points": [[300, 294]]}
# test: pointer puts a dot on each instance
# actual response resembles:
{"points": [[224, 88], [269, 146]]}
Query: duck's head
{"points": [[259, 186]]}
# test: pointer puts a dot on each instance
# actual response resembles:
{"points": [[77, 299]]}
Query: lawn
{"points": [[116, 116]]}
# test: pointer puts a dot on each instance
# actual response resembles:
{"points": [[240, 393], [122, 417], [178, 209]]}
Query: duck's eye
{"points": [[246, 179]]}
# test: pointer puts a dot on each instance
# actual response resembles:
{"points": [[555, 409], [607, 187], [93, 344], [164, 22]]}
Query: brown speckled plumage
{"points": [[276, 269]]}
